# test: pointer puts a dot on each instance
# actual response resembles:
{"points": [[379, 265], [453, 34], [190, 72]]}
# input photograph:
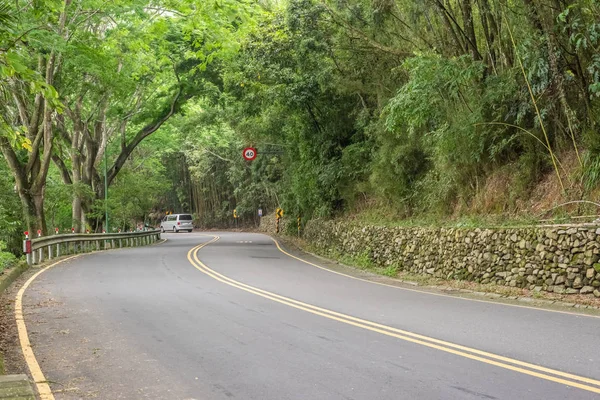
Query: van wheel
{"points": [[174, 230], [162, 229]]}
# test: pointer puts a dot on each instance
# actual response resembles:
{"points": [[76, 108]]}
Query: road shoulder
{"points": [[456, 289]]}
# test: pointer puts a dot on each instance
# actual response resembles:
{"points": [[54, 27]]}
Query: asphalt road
{"points": [[239, 319]]}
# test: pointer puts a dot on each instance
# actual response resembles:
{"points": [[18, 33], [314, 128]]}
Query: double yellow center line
{"points": [[549, 374]]}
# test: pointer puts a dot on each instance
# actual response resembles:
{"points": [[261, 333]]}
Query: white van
{"points": [[177, 222]]}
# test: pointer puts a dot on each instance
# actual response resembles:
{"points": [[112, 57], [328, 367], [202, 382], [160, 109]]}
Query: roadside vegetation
{"points": [[464, 112]]}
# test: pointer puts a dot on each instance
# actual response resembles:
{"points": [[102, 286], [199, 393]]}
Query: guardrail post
{"points": [[50, 252], [41, 250], [57, 244], [27, 247]]}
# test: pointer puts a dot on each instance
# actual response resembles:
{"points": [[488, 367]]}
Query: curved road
{"points": [[233, 317]]}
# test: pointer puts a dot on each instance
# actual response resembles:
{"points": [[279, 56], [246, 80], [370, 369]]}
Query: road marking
{"points": [[463, 351], [425, 292], [39, 379]]}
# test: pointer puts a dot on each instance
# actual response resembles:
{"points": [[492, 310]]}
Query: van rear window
{"points": [[185, 217]]}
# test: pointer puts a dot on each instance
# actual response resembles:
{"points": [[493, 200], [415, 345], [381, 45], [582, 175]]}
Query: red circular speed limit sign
{"points": [[249, 153]]}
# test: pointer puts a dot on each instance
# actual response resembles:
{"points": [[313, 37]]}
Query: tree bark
{"points": [[469, 29]]}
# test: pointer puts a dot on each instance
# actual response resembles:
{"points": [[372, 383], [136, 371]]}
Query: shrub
{"points": [[7, 260]]}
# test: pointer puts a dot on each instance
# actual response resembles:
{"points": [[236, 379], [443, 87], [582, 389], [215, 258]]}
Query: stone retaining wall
{"points": [[554, 259]]}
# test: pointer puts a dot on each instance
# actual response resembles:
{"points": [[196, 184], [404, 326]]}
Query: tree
{"points": [[138, 74], [26, 136]]}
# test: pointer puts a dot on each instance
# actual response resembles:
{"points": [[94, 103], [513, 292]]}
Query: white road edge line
{"points": [[423, 291]]}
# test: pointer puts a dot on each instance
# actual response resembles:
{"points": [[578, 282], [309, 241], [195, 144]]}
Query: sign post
{"points": [[235, 217], [278, 216]]}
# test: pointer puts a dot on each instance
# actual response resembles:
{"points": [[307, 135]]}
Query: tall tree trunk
{"points": [[40, 216], [77, 197], [469, 29], [28, 209]]}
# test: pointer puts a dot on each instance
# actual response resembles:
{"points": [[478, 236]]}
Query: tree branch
{"points": [[62, 167], [141, 135], [13, 162], [363, 35]]}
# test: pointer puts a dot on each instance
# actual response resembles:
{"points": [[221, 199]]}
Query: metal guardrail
{"points": [[53, 246]]}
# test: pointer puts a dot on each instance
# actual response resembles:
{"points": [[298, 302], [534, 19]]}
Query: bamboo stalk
{"points": [[537, 111]]}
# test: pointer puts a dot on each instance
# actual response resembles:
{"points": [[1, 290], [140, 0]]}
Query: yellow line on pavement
{"points": [[463, 351], [39, 379], [426, 292]]}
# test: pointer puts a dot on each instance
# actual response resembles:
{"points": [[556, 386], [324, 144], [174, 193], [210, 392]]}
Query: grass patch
{"points": [[391, 271]]}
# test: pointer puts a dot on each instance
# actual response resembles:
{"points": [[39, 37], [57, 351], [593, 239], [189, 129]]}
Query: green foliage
{"points": [[396, 108], [359, 104], [7, 259], [11, 221], [391, 271]]}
